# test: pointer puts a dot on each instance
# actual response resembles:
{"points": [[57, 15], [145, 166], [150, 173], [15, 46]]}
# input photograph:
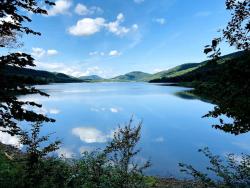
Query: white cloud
{"points": [[114, 110], [7, 139], [65, 152], [95, 53], [114, 53], [90, 26], [89, 134], [73, 70], [83, 10], [138, 1], [116, 28], [61, 7], [7, 18], [38, 52], [52, 52], [54, 111], [161, 21], [86, 149], [87, 26]]}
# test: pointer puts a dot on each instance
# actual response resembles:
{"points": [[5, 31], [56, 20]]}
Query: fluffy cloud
{"points": [[61, 7], [114, 110], [96, 53], [114, 53], [161, 21], [87, 26], [82, 10], [138, 1], [5, 138], [52, 52], [89, 134], [73, 70], [86, 149], [65, 152], [116, 28], [40, 52], [90, 26]]}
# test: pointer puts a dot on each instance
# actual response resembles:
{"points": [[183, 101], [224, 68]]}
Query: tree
{"points": [[233, 100], [237, 31], [122, 150], [13, 16], [234, 171], [35, 153]]}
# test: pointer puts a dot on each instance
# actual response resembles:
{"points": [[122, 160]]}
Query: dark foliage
{"points": [[237, 31], [12, 110], [232, 172]]}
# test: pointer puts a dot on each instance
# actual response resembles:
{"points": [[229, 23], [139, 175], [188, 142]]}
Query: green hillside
{"points": [[176, 71], [135, 76], [193, 71], [33, 76], [91, 78]]}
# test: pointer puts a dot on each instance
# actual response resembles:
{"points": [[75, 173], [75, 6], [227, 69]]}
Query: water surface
{"points": [[87, 113]]}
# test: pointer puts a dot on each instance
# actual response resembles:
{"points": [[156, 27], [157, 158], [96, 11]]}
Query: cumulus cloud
{"points": [[40, 52], [87, 26], [95, 53], [114, 110], [116, 28], [73, 70], [83, 149], [65, 152], [89, 135], [52, 52], [54, 111], [5, 138], [114, 53], [90, 26], [61, 7], [161, 21], [83, 10]]}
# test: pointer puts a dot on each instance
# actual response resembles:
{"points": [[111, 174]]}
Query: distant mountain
{"points": [[90, 78], [135, 76], [33, 76]]}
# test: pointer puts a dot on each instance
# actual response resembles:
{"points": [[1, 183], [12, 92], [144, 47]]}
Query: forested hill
{"points": [[32, 76], [198, 72], [135, 76]]}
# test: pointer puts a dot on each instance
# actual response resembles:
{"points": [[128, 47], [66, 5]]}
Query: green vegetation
{"points": [[33, 76], [225, 82], [114, 166], [135, 76], [234, 171], [91, 78]]}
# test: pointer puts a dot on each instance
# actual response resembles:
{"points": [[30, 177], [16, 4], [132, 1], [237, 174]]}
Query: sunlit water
{"points": [[87, 113]]}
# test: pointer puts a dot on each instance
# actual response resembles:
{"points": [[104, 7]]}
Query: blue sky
{"points": [[111, 37]]}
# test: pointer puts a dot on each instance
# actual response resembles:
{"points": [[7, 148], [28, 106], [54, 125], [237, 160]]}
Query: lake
{"points": [[173, 128]]}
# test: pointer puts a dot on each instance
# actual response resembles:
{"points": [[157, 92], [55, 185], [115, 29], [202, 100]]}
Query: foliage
{"points": [[13, 15], [232, 172], [237, 30], [112, 167]]}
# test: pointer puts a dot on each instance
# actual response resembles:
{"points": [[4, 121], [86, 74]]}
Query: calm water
{"points": [[172, 132]]}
